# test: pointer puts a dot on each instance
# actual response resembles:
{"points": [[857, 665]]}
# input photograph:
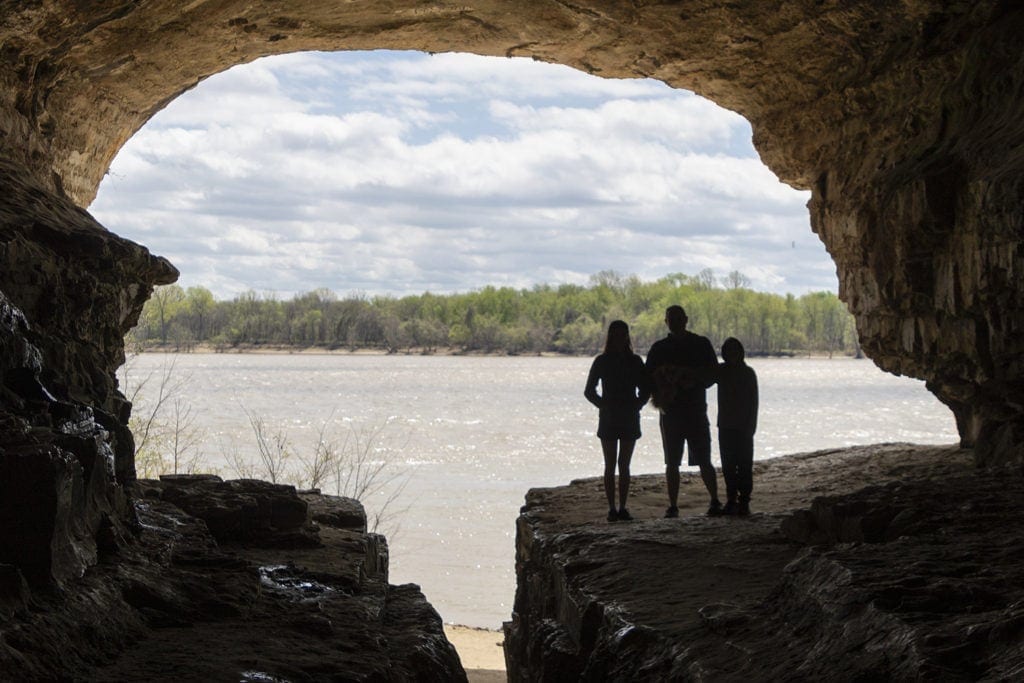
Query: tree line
{"points": [[569, 319]]}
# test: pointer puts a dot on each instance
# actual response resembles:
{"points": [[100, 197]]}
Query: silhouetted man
{"points": [[683, 366]]}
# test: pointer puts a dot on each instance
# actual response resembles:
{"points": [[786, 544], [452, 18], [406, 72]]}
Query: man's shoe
{"points": [[731, 508], [743, 510], [715, 509], [613, 516], [624, 515], [671, 512]]}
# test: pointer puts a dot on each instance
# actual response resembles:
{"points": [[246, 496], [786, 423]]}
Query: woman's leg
{"points": [[626, 447], [608, 448]]}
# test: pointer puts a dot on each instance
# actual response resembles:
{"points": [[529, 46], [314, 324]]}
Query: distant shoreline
{"points": [[279, 349]]}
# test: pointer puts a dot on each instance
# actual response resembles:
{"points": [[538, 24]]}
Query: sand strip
{"points": [[481, 652]]}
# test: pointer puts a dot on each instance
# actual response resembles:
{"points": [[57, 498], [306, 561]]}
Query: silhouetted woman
{"points": [[624, 391]]}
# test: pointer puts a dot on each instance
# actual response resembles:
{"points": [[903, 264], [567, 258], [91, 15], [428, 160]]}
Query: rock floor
{"points": [[892, 561], [186, 601]]}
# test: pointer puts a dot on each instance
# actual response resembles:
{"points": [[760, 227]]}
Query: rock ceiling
{"points": [[902, 118]]}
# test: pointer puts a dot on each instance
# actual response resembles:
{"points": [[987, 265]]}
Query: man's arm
{"points": [[709, 364], [653, 359], [754, 400], [644, 384]]}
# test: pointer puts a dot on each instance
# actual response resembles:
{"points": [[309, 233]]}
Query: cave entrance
{"points": [[313, 183]]}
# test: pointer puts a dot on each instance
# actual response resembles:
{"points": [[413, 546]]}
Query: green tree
{"points": [[167, 303], [200, 306], [566, 318]]}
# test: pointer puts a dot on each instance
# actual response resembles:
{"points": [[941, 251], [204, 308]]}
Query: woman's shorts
{"points": [[618, 424]]}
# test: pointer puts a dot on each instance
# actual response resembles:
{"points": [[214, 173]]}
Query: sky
{"points": [[394, 173]]}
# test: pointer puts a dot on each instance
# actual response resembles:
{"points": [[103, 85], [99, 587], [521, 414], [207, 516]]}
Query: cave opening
{"points": [[900, 120], [418, 173]]}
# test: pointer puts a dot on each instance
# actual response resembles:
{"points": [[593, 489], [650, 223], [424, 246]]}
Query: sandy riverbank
{"points": [[279, 349], [481, 652]]}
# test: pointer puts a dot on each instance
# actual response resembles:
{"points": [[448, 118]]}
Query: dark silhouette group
{"points": [[678, 371]]}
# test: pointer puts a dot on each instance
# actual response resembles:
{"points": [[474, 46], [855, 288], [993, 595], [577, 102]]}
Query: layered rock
{"points": [[916, 576], [80, 289], [60, 505], [185, 602], [69, 291]]}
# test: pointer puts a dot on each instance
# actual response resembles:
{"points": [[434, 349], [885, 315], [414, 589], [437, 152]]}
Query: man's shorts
{"points": [[677, 431]]}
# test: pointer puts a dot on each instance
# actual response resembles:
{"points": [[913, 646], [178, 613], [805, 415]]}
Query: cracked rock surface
{"points": [[890, 562], [181, 603]]}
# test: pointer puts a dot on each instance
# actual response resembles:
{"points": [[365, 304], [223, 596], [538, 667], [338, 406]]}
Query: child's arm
{"points": [[754, 400], [707, 373]]}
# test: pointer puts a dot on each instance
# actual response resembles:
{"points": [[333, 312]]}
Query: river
{"points": [[465, 437]]}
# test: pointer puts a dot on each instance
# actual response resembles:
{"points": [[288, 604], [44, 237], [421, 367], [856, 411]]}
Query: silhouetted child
{"points": [[737, 422]]}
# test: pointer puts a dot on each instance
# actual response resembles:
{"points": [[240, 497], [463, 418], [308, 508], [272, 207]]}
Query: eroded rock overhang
{"points": [[902, 118]]}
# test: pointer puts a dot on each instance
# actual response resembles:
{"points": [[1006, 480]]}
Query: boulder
{"points": [[243, 511], [335, 511]]}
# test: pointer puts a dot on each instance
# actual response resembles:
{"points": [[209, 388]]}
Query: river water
{"points": [[467, 436]]}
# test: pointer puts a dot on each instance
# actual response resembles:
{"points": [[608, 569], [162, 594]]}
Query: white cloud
{"points": [[401, 172]]}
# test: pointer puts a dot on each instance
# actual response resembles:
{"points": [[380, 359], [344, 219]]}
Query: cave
{"points": [[902, 119]]}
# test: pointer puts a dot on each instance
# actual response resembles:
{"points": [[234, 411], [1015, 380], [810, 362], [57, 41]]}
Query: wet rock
{"points": [[59, 502], [79, 289], [40, 515]]}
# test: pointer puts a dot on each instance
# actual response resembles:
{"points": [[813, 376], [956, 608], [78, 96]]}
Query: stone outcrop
{"points": [[906, 568], [80, 288], [183, 602], [244, 510], [60, 505], [69, 291]]}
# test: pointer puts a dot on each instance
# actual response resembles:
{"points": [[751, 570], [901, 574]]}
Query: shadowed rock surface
{"points": [[184, 603], [907, 565], [187, 578]]}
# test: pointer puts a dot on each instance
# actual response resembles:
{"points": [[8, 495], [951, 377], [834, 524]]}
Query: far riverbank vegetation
{"points": [[566, 319]]}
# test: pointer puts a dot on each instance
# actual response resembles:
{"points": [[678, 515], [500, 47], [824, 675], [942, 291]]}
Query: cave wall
{"points": [[901, 117], [69, 290], [80, 289]]}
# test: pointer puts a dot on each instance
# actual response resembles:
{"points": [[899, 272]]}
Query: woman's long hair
{"points": [[618, 338]]}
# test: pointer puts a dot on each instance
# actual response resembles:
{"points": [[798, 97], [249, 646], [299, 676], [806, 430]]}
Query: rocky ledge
{"points": [[890, 562], [229, 581]]}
